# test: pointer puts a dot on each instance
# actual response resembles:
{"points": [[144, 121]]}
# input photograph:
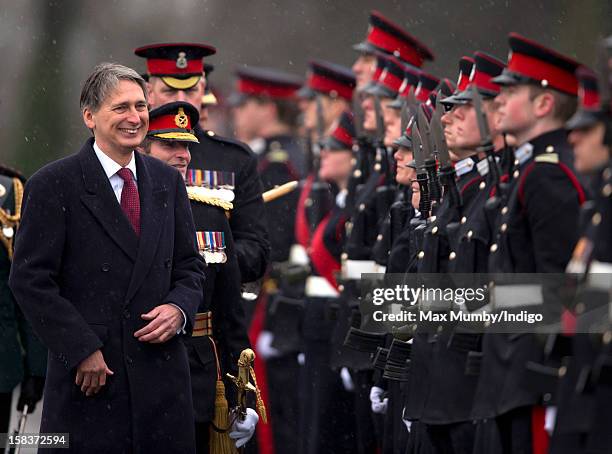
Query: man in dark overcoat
{"points": [[107, 271]]}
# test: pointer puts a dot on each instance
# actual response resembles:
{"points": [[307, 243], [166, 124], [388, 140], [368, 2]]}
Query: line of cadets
{"points": [[510, 202], [505, 198]]}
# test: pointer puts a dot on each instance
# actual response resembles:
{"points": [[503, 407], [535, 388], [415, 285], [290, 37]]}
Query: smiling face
{"points": [[175, 154], [121, 122]]}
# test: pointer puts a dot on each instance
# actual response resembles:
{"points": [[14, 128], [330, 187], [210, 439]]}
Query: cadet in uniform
{"points": [[22, 355], [582, 407], [265, 108], [220, 331], [535, 231], [176, 74]]}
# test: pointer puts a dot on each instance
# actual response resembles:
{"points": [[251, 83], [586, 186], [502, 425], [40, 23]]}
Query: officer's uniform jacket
{"points": [[247, 219]]}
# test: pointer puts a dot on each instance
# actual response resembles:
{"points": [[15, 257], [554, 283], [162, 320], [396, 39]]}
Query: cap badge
{"points": [[181, 119], [181, 61]]}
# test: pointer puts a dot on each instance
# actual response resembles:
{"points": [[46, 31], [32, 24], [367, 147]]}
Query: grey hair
{"points": [[103, 80]]}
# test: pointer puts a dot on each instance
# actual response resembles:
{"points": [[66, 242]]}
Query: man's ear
{"points": [[88, 118], [544, 104]]}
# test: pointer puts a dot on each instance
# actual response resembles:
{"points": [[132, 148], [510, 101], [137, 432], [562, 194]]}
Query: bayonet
{"points": [[429, 157], [417, 151]]}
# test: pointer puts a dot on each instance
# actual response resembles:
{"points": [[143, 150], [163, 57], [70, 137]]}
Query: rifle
{"points": [[429, 158], [417, 151], [23, 418]]}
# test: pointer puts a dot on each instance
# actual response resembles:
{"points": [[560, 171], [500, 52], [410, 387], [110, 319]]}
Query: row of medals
{"points": [[214, 256]]}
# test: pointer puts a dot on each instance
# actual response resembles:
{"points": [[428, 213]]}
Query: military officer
{"points": [[22, 355], [220, 331], [176, 74]]}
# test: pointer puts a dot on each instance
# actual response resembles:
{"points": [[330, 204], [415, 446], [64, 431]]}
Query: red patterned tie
{"points": [[130, 203]]}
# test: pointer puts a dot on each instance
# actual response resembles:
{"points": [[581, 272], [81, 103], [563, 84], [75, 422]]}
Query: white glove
{"points": [[347, 380], [549, 420], [301, 359], [379, 406], [242, 431], [406, 422], [264, 346]]}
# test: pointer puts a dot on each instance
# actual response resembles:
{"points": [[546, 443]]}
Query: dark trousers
{"points": [[486, 438], [515, 431], [202, 437], [452, 438], [282, 375], [5, 411], [395, 432]]}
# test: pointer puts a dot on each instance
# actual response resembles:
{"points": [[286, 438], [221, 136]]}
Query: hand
{"points": [[264, 346], [91, 373], [31, 393], [550, 419], [166, 320], [242, 431], [379, 405]]}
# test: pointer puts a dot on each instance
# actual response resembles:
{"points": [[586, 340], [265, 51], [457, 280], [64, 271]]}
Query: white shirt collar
{"points": [[110, 166]]}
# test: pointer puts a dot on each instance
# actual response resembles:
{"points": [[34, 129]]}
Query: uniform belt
{"points": [[352, 269], [319, 287], [600, 276], [202, 325], [514, 296], [298, 255]]}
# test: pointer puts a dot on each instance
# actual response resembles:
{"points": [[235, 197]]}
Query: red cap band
{"points": [[463, 81], [159, 66], [390, 43], [325, 85], [539, 70], [589, 99], [343, 136], [165, 122], [483, 80]]}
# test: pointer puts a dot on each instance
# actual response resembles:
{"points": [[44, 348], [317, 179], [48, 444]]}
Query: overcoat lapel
{"points": [[101, 201], [153, 213]]}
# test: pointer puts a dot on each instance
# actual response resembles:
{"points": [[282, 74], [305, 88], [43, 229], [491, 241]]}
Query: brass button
{"points": [[353, 162], [377, 167], [463, 220], [362, 207], [470, 234], [544, 83], [357, 173], [434, 230], [482, 185], [550, 149], [341, 288], [546, 397], [607, 337], [596, 220], [607, 174], [379, 237], [308, 202], [344, 256], [516, 162], [504, 227], [607, 190], [452, 256], [493, 247], [516, 174], [562, 371], [504, 210], [210, 133], [421, 255], [432, 219]]}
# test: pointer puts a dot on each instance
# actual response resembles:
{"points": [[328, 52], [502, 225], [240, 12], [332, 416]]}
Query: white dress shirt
{"points": [[111, 168]]}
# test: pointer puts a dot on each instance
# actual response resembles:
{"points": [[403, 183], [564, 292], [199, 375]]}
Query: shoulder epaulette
{"points": [[551, 158], [208, 196], [211, 135]]}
